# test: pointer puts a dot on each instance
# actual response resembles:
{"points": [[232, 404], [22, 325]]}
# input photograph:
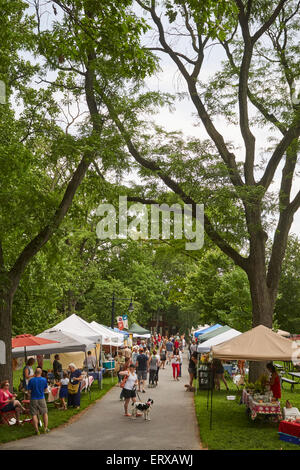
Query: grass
{"points": [[232, 429], [56, 417]]}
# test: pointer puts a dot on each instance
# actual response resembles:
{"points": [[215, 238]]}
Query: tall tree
{"points": [[35, 150], [260, 42]]}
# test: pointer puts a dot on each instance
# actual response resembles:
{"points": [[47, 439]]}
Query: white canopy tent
{"points": [[221, 338], [148, 335], [67, 342], [110, 337], [76, 325]]}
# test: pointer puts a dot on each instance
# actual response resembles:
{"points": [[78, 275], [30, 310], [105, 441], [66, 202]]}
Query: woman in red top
{"points": [[8, 401], [274, 381]]}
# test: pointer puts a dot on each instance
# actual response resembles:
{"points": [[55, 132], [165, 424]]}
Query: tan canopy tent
{"points": [[258, 344]]}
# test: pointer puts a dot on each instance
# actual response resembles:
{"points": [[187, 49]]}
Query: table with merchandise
{"points": [[261, 405]]}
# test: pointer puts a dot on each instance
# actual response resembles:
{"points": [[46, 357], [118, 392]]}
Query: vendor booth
{"points": [[138, 331], [258, 344], [213, 333], [217, 339], [206, 330], [74, 325]]}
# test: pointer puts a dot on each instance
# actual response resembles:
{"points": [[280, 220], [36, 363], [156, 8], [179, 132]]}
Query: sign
{"points": [[125, 321], [120, 323]]}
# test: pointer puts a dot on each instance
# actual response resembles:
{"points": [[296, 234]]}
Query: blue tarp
{"points": [[121, 331], [207, 330]]}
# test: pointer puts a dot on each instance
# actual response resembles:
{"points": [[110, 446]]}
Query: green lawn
{"points": [[56, 417], [232, 429]]}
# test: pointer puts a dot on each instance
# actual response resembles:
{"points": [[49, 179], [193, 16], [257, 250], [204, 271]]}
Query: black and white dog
{"points": [[144, 408]]}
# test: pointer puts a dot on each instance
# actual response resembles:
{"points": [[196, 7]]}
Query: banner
{"points": [[120, 323], [125, 321]]}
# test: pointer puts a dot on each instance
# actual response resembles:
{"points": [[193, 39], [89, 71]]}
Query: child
{"points": [[63, 391]]}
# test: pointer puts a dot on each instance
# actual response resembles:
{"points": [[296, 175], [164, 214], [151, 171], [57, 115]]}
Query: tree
{"points": [[35, 150], [288, 301], [259, 41]]}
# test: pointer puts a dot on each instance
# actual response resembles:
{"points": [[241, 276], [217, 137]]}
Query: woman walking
{"points": [[153, 366], [129, 387], [163, 356], [175, 361]]}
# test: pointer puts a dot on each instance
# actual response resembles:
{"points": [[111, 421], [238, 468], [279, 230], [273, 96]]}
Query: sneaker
{"points": [[37, 433], [46, 430]]}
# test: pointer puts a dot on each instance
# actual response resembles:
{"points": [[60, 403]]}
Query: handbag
{"points": [[124, 380], [73, 388]]}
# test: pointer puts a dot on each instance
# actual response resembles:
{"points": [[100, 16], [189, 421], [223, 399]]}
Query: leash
{"points": [[137, 394]]}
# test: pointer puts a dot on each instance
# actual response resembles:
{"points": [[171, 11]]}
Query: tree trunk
{"points": [[263, 299], [6, 300]]}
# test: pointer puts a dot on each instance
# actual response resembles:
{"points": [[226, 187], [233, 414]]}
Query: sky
{"points": [[169, 80]]}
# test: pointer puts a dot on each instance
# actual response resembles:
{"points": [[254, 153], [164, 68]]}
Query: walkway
{"points": [[173, 423]]}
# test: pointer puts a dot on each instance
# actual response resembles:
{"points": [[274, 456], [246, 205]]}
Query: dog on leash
{"points": [[139, 407]]}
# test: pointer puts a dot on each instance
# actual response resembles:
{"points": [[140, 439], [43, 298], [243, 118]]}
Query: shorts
{"points": [[128, 393], [38, 407], [8, 407], [192, 371], [142, 374]]}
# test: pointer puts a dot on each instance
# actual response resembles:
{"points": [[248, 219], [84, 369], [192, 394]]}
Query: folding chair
{"points": [[7, 416]]}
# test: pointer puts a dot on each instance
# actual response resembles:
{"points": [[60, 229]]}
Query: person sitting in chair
{"points": [[8, 401]]}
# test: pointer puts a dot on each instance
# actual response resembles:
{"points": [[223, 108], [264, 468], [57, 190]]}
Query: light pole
{"points": [[114, 298]]}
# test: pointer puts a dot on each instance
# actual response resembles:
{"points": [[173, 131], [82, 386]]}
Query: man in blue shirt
{"points": [[142, 367], [169, 348], [37, 386]]}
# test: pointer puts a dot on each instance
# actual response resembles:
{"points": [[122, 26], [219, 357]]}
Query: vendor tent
{"points": [[258, 344], [78, 326], [207, 330], [138, 330], [225, 336], [109, 337], [213, 333], [122, 332], [199, 328], [65, 343]]}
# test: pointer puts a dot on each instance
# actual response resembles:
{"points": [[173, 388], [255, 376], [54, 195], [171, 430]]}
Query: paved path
{"points": [[173, 423]]}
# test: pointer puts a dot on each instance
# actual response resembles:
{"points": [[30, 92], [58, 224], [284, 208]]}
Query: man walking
{"points": [[142, 368], [37, 386], [169, 348]]}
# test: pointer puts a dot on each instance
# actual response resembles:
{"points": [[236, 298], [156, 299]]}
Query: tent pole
{"points": [[197, 373], [211, 402], [111, 364], [101, 362]]}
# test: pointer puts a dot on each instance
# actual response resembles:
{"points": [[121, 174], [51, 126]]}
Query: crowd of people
{"points": [[134, 366], [141, 364], [35, 384]]}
